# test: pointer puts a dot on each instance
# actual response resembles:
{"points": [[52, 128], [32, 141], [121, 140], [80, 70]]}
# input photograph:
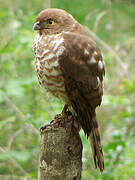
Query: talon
{"points": [[42, 127], [51, 121]]}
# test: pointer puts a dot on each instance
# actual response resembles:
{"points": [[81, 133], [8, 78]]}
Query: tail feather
{"points": [[96, 146], [86, 117]]}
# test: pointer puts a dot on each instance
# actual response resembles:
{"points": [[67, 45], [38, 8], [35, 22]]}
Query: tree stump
{"points": [[61, 151]]}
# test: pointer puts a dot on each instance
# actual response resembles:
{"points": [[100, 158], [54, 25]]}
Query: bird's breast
{"points": [[47, 51]]}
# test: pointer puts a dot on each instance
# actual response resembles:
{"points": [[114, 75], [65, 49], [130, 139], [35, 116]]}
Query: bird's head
{"points": [[53, 21]]}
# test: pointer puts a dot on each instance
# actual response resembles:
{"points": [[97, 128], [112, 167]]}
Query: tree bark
{"points": [[61, 151]]}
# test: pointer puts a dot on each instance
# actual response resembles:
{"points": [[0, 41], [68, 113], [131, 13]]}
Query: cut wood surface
{"points": [[61, 152]]}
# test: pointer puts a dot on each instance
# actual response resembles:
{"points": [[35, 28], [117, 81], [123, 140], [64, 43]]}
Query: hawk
{"points": [[70, 66]]}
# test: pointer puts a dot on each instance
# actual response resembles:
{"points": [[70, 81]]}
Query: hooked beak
{"points": [[37, 26]]}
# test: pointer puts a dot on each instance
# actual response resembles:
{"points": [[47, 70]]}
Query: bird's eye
{"points": [[50, 21]]}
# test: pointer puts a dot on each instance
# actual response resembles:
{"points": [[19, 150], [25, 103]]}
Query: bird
{"points": [[70, 66]]}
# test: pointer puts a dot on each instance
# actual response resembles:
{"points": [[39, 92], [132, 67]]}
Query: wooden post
{"points": [[61, 152]]}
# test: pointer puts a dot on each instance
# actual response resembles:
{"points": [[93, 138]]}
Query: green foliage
{"points": [[24, 106]]}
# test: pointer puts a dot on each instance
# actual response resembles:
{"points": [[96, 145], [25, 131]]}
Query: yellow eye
{"points": [[50, 21]]}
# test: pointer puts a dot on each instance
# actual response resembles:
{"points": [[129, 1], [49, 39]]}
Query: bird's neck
{"points": [[78, 28]]}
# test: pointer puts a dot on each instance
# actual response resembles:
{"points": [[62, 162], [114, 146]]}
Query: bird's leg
{"points": [[65, 109], [65, 112], [61, 116], [57, 119]]}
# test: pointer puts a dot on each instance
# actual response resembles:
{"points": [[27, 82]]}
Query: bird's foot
{"points": [[58, 119], [50, 125], [65, 112]]}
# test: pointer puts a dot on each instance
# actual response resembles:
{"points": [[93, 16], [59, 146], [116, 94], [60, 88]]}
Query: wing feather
{"points": [[83, 70]]}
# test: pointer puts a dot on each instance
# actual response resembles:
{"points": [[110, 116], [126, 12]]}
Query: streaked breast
{"points": [[47, 51]]}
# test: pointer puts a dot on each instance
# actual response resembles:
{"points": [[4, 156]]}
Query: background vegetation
{"points": [[24, 107]]}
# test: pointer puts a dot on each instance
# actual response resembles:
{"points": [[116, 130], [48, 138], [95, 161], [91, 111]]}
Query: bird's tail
{"points": [[96, 146]]}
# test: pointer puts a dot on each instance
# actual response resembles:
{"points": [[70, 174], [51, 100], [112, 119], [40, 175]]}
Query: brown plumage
{"points": [[70, 66]]}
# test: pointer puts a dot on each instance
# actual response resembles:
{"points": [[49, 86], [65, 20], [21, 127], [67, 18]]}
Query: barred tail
{"points": [[96, 146]]}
